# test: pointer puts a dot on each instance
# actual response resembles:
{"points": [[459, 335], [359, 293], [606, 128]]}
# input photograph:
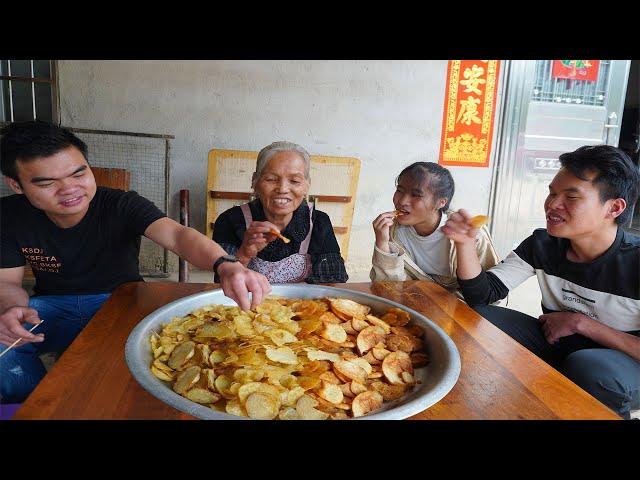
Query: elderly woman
{"points": [[281, 182]]}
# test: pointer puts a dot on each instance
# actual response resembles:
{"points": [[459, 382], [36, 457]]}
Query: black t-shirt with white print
{"points": [[95, 256], [606, 289]]}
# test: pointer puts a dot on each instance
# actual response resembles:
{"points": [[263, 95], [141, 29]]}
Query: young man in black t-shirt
{"points": [[82, 242], [588, 269]]}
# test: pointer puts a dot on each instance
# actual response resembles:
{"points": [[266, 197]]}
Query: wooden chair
{"points": [[119, 178]]}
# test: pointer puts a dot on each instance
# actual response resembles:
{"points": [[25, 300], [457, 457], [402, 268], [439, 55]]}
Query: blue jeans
{"points": [[611, 376], [64, 317]]}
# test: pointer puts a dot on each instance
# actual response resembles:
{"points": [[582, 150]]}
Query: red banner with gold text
{"points": [[470, 103]]}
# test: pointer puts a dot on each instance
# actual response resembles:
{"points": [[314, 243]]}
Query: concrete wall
{"points": [[386, 113]]}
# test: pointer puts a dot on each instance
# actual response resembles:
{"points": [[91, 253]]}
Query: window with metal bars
{"points": [[28, 91], [562, 90]]}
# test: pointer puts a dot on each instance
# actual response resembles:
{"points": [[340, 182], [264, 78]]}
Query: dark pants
{"points": [[611, 376]]}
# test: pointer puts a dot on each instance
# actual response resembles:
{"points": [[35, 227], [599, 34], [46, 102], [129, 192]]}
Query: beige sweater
{"points": [[401, 266]]}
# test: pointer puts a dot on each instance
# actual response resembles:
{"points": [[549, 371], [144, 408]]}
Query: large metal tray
{"points": [[438, 378]]}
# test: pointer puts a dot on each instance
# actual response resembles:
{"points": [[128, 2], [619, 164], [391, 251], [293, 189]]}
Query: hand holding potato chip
{"points": [[381, 227], [462, 228]]}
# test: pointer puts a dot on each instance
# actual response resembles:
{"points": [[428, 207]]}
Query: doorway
{"points": [[544, 115], [630, 132]]}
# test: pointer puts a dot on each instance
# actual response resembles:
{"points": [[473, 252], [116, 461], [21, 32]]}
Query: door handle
{"points": [[613, 117]]}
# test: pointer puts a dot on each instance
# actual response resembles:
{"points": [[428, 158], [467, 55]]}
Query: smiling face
{"points": [[282, 185], [574, 209], [62, 185], [417, 204]]}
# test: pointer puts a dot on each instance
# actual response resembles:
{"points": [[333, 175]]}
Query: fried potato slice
{"points": [[288, 413], [350, 370], [313, 354], [330, 377], [305, 407], [233, 407], [186, 379], [368, 338], [348, 308], [310, 325], [222, 384], [161, 374], [309, 383], [331, 393], [366, 402], [388, 392], [282, 355], [290, 397], [399, 342], [181, 354], [201, 395], [333, 332], [478, 221], [357, 388], [378, 322], [280, 336], [329, 317], [394, 365], [359, 324], [253, 387], [262, 406], [348, 327]]}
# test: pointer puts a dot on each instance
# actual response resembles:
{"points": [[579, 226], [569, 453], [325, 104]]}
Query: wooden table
{"points": [[499, 378]]}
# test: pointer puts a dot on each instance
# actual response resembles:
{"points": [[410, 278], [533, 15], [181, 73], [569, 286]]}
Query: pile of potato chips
{"points": [[290, 358]]}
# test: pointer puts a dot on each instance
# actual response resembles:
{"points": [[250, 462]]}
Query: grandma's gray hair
{"points": [[270, 150]]}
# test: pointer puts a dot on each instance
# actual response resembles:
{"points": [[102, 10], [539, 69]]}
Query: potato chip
{"points": [[181, 354], [394, 365], [366, 402], [314, 354], [186, 379], [201, 395], [288, 413], [478, 221], [368, 338], [162, 375], [261, 406], [280, 336], [305, 407], [333, 332], [282, 355], [350, 370]]}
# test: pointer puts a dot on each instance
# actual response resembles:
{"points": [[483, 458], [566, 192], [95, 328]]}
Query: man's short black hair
{"points": [[616, 175], [438, 180], [27, 141]]}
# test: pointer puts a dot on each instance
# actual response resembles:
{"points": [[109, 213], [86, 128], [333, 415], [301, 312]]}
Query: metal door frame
{"points": [[518, 83]]}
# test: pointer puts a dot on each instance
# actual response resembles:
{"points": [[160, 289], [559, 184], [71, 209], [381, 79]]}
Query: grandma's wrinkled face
{"points": [[283, 184]]}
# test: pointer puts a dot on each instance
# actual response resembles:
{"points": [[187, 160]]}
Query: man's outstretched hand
{"points": [[237, 281]]}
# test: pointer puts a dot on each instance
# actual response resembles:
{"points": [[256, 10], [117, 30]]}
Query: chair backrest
{"points": [[105, 177], [112, 177], [334, 181]]}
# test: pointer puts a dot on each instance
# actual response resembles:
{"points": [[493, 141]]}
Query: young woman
{"points": [[409, 244]]}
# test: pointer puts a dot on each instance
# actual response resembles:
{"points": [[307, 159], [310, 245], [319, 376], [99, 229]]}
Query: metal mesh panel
{"points": [[147, 160], [562, 90]]}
